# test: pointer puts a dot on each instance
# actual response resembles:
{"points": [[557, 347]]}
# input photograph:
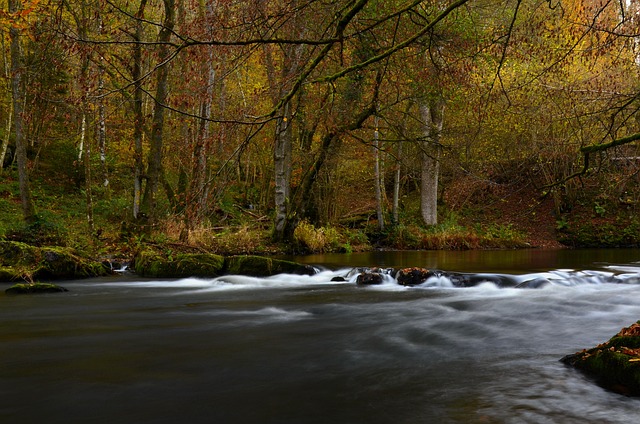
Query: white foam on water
{"points": [[613, 275]]}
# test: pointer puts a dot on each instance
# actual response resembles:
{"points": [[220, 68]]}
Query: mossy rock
{"points": [[14, 253], [152, 264], [615, 364], [259, 266], [20, 260], [62, 263], [9, 274], [34, 288]]}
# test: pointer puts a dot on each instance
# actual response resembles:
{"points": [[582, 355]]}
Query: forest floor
{"points": [[531, 216], [519, 206]]}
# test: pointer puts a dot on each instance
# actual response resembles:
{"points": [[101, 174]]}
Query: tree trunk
{"points": [[396, 185], [7, 132], [138, 114], [5, 141], [282, 168], [102, 128], [28, 208], [154, 165], [376, 168], [195, 200], [87, 166], [432, 114], [398, 167]]}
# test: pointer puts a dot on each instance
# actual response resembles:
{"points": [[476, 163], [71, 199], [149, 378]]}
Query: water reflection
{"points": [[509, 261]]}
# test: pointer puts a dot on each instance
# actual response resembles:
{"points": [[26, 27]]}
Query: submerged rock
{"points": [[615, 364], [33, 288]]}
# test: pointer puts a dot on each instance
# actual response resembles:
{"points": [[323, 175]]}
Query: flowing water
{"points": [[300, 349]]}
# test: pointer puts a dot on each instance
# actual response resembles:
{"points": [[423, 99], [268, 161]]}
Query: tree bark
{"points": [[138, 114], [28, 208], [102, 124], [154, 162], [376, 169], [282, 169], [432, 114]]}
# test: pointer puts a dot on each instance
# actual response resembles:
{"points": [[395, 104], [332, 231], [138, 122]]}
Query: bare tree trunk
{"points": [[28, 208], [87, 167], [376, 168], [396, 185], [282, 167], [7, 131], [432, 114], [154, 166], [138, 115], [102, 128], [5, 141], [398, 167]]}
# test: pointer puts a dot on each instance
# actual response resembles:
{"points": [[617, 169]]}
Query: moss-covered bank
{"points": [[150, 263], [21, 261], [615, 364]]}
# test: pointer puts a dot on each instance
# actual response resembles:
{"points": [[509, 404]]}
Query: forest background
{"points": [[319, 125]]}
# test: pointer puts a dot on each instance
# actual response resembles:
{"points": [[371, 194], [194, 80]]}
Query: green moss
{"points": [[13, 253], [632, 342], [259, 266], [615, 364], [61, 263], [153, 264], [20, 260], [612, 370], [34, 288]]}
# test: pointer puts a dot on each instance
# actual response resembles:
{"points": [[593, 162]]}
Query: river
{"points": [[300, 349]]}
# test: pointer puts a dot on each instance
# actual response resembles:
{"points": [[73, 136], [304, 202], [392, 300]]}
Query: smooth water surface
{"points": [[298, 349]]}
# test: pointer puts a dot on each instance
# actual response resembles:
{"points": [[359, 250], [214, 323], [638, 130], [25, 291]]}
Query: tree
{"points": [[432, 114], [17, 90], [155, 162]]}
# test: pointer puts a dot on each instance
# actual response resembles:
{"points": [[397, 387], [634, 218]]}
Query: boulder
{"points": [[369, 278], [372, 276], [260, 266], [153, 264], [33, 288], [615, 364], [413, 276], [23, 261]]}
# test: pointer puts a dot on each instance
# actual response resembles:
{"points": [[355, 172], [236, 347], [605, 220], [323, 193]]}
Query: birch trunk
{"points": [[87, 167], [7, 131], [396, 185], [432, 114], [376, 169], [5, 141]]}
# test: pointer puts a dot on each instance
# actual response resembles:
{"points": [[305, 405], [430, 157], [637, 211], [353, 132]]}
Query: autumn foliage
{"points": [[191, 118]]}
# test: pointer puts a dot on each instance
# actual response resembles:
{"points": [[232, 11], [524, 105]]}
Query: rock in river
{"points": [[615, 364]]}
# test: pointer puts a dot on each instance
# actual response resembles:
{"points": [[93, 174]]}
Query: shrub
{"points": [[321, 240]]}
